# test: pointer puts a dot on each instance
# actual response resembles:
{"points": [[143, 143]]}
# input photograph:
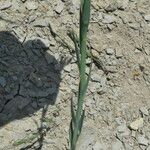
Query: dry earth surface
{"points": [[39, 76]]}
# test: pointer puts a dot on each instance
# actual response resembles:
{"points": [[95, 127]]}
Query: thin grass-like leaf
{"points": [[81, 121], [85, 17], [73, 112], [71, 133], [81, 54], [75, 40]]}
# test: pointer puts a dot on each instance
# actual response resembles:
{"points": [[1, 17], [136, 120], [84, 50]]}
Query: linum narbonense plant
{"points": [[78, 113]]}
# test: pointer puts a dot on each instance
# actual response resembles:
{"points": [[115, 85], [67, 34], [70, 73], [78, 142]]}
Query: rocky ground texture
{"points": [[39, 75]]}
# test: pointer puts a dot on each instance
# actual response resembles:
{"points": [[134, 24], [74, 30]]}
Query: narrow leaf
{"points": [[81, 121], [75, 40], [86, 12], [72, 112], [71, 133]]}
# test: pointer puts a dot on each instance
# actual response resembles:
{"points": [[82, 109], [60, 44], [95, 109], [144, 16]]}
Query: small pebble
{"points": [[112, 7], [30, 5], [142, 140], [108, 19], [133, 133], [120, 121], [41, 23], [123, 4], [5, 5], [147, 17], [144, 111], [59, 8], [118, 53], [123, 130], [68, 68], [138, 123], [96, 77], [45, 42], [110, 51]]}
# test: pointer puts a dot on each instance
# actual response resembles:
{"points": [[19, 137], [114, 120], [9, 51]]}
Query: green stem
{"points": [[76, 126]]}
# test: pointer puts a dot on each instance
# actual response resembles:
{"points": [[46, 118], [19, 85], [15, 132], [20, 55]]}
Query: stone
{"points": [[133, 133], [108, 19], [60, 6], [120, 120], [111, 69], [134, 26], [144, 111], [41, 22], [49, 58], [142, 140], [112, 7], [76, 3], [45, 42], [118, 53], [68, 68], [2, 81], [123, 4], [5, 5], [100, 16], [138, 123], [74, 6], [30, 5], [117, 145], [99, 146], [110, 51], [123, 130], [147, 17], [31, 18], [96, 77]]}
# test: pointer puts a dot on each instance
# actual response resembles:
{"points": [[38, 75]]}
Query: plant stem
{"points": [[77, 118]]}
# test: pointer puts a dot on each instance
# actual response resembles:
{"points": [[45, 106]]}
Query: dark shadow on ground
{"points": [[29, 78]]}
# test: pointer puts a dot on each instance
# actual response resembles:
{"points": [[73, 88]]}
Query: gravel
{"points": [[37, 79]]}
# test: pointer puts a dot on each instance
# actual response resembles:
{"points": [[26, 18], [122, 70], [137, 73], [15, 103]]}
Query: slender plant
{"points": [[78, 113]]}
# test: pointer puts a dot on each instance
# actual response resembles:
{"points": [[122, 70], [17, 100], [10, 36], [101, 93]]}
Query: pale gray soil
{"points": [[39, 76]]}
